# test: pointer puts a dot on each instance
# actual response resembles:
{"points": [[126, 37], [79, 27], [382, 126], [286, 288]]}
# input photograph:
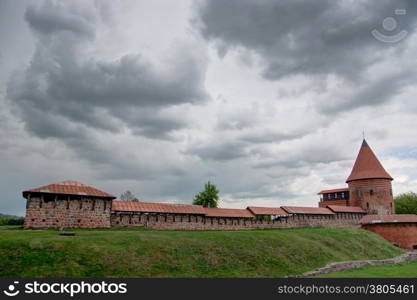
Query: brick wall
{"points": [[379, 201], [95, 213], [83, 212], [193, 222], [333, 202], [403, 235]]}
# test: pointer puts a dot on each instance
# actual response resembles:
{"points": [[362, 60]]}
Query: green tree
{"points": [[209, 197], [406, 203]]}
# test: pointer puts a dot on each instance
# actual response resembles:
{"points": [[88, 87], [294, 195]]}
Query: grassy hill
{"points": [[147, 253]]}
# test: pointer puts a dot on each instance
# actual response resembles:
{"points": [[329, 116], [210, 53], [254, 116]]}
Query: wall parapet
{"points": [[194, 222], [81, 212]]}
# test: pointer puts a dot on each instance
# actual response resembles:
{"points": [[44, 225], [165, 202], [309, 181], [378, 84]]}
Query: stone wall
{"points": [[193, 222], [403, 235], [86, 212], [69, 213], [349, 265]]}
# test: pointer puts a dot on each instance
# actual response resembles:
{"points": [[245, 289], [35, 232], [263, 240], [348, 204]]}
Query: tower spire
{"points": [[367, 165]]}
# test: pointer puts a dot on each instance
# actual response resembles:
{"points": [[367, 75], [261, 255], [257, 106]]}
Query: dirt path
{"points": [[348, 265]]}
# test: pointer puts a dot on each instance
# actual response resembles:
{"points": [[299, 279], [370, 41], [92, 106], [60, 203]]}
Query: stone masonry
{"points": [[193, 222], [83, 213]]}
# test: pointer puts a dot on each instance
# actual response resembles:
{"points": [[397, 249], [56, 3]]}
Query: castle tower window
{"points": [[371, 192]]}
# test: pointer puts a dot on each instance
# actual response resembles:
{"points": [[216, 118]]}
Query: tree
{"points": [[406, 203], [128, 196], [207, 198]]}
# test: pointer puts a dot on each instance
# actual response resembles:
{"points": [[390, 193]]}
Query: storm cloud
{"points": [[324, 40], [266, 99], [72, 88]]}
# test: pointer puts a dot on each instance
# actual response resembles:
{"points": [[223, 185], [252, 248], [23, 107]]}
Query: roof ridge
{"points": [[69, 187]]}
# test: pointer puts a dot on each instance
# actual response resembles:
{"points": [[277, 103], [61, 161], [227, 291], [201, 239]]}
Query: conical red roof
{"points": [[367, 165]]}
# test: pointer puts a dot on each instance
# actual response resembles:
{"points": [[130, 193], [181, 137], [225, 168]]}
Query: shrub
{"points": [[406, 203]]}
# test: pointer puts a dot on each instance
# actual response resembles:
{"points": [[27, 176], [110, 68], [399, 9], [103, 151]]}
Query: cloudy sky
{"points": [[267, 99]]}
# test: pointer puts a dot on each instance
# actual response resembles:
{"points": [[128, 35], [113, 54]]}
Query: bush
{"points": [[406, 203]]}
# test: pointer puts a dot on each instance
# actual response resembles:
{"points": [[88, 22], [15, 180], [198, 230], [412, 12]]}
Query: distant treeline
{"points": [[11, 220]]}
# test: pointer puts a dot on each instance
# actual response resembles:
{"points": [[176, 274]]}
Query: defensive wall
{"points": [[196, 222], [88, 212]]}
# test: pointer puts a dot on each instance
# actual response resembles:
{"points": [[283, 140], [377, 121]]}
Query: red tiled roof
{"points": [[69, 188], [228, 212], [347, 209], [307, 210], [149, 207], [367, 165], [377, 219], [333, 191], [274, 211]]}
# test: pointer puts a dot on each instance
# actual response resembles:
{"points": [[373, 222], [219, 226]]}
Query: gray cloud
{"points": [[158, 127], [50, 18], [271, 136], [315, 39], [300, 157], [301, 37], [369, 92], [219, 151], [69, 89], [120, 96]]}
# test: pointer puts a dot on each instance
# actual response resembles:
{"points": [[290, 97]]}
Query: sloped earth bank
{"points": [[135, 252]]}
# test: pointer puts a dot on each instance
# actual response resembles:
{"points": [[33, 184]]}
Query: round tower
{"points": [[369, 184]]}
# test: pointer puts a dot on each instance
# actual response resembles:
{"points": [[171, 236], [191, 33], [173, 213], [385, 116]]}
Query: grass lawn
{"points": [[405, 270], [130, 252]]}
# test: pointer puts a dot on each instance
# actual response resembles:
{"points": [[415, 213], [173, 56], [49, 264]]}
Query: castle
{"points": [[367, 200], [369, 186]]}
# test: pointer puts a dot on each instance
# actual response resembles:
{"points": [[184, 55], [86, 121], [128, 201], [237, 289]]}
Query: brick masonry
{"points": [[403, 235], [90, 212], [373, 195], [193, 222], [86, 212], [333, 202]]}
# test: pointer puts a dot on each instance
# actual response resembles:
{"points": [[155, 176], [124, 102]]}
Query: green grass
{"points": [[404, 270], [127, 252]]}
